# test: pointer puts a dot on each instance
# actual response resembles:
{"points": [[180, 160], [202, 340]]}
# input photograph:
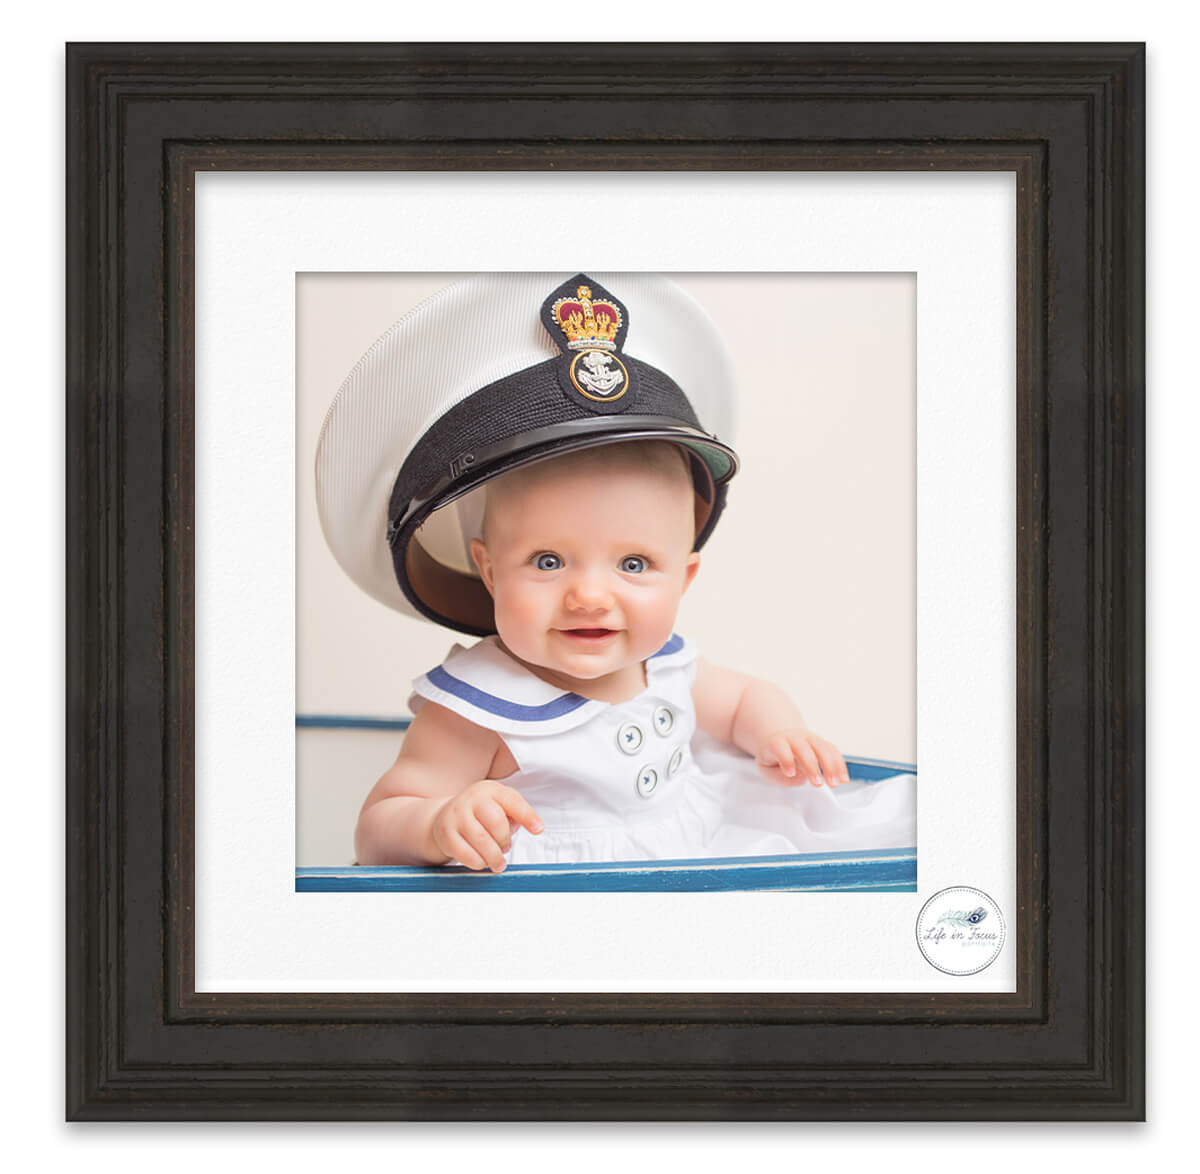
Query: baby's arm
{"points": [[760, 719], [436, 802]]}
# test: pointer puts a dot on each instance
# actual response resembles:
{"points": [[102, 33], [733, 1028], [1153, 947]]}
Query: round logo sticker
{"points": [[960, 930]]}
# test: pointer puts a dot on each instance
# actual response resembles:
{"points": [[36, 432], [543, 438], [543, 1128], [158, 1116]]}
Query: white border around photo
{"points": [[255, 232]]}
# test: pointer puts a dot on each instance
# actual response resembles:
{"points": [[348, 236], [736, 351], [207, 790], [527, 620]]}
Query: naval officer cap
{"points": [[492, 373]]}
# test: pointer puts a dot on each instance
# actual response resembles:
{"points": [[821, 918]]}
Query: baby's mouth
{"points": [[593, 635]]}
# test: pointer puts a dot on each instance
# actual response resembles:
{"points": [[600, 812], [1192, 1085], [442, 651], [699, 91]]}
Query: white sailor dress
{"points": [[634, 780]]}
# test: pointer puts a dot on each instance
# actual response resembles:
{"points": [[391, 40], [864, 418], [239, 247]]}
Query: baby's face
{"points": [[586, 569]]}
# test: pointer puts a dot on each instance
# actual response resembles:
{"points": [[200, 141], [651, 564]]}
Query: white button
{"points": [[647, 780], [664, 720], [676, 761], [630, 738]]}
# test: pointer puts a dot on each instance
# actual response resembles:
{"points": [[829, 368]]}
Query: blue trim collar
{"points": [[498, 706]]}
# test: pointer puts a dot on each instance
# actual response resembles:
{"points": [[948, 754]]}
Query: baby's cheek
{"points": [[516, 617], [660, 617]]}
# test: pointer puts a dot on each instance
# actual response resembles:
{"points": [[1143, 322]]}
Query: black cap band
{"points": [[446, 461]]}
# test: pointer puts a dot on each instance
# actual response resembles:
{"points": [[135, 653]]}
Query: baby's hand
{"points": [[476, 826], [794, 756]]}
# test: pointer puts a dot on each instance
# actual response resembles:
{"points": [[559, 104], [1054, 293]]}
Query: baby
{"points": [[568, 735]]}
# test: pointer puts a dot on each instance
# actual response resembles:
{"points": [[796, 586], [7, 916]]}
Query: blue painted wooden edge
{"points": [[882, 870], [339, 721]]}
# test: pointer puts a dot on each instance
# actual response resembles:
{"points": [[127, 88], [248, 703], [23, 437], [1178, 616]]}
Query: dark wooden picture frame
{"points": [[1068, 1043]]}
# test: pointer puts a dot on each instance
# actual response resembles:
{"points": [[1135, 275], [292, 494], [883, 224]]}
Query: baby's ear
{"points": [[689, 572], [480, 556]]}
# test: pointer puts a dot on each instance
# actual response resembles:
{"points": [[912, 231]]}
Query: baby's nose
{"points": [[589, 593]]}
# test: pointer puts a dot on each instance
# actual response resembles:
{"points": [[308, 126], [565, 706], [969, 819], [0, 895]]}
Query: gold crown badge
{"points": [[587, 324]]}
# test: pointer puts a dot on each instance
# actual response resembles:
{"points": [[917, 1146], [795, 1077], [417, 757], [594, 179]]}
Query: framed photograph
{"points": [[930, 262], [821, 407]]}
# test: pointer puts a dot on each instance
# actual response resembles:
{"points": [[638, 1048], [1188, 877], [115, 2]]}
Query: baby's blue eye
{"points": [[548, 562], [633, 564]]}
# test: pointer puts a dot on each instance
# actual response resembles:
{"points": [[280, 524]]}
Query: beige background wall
{"points": [[809, 580]]}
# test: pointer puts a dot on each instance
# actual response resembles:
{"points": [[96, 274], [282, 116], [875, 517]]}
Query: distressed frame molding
{"points": [[1068, 120]]}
